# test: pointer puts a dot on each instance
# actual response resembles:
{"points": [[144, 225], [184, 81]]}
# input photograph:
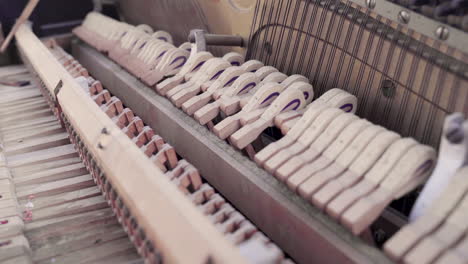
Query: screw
{"points": [[442, 33], [371, 3], [388, 88], [268, 47], [404, 16]]}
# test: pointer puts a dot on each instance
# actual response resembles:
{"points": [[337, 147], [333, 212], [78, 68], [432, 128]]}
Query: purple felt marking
{"points": [[231, 81], [198, 66], [163, 39], [306, 95], [160, 55], [235, 63], [142, 45], [123, 34], [177, 59], [295, 102], [217, 75], [269, 97], [424, 167], [250, 85], [189, 50], [347, 108]]}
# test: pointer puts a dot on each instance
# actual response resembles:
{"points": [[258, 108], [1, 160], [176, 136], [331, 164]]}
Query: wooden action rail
{"points": [[249, 93], [180, 233], [345, 166], [355, 172], [239, 175], [185, 176]]}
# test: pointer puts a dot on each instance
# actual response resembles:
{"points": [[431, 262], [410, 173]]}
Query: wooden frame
{"points": [[299, 229], [178, 230]]}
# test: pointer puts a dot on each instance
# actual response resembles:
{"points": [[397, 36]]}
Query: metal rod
{"points": [[218, 40]]}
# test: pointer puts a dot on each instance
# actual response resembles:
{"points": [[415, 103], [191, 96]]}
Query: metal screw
{"points": [[442, 33], [380, 236], [404, 16], [268, 47], [371, 3], [388, 88], [104, 131]]}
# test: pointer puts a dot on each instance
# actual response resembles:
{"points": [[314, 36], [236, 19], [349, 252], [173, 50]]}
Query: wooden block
{"points": [[413, 168], [46, 130], [257, 120], [21, 109], [461, 248], [203, 194], [5, 173], [226, 79], [14, 247], [18, 260], [51, 154], [76, 240], [306, 120], [442, 239], [207, 113], [38, 122], [61, 198], [55, 187], [450, 257], [212, 205], [11, 211], [34, 168], [95, 254], [38, 143], [343, 157], [331, 143], [11, 120], [400, 244], [74, 207], [233, 221], [53, 174], [224, 212], [45, 227], [11, 226], [244, 231], [321, 119], [189, 181], [134, 128], [364, 162], [102, 98], [124, 118], [166, 158]]}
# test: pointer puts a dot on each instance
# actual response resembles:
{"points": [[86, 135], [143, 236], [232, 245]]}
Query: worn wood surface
{"points": [[68, 218], [241, 181], [182, 227]]}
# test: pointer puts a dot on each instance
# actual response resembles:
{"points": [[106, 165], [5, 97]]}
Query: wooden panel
{"points": [[141, 186]]}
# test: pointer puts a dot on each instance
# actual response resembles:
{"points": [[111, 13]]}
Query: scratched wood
{"points": [[70, 221], [181, 227]]}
